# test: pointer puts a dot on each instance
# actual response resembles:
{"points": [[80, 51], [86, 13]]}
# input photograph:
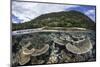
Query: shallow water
{"points": [[46, 37]]}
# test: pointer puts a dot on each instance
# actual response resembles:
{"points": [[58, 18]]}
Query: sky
{"points": [[26, 11]]}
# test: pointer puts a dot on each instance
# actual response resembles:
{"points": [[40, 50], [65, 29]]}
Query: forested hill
{"points": [[58, 19]]}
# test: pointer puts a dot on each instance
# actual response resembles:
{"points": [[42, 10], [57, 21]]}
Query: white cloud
{"points": [[90, 11], [91, 14], [29, 10]]}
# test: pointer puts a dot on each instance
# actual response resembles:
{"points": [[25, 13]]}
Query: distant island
{"points": [[58, 19]]}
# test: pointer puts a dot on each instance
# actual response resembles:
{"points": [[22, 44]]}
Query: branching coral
{"points": [[53, 56]]}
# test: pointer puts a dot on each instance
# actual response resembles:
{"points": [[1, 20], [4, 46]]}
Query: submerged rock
{"points": [[34, 60], [65, 57]]}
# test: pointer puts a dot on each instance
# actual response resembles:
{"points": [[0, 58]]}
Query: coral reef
{"points": [[54, 47]]}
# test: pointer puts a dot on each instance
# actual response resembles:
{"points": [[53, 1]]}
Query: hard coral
{"points": [[81, 47], [41, 51], [25, 53]]}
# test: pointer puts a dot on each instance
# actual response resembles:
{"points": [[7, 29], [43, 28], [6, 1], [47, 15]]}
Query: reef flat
{"points": [[53, 48]]}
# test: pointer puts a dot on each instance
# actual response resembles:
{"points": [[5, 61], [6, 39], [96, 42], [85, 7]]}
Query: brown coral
{"points": [[60, 41], [25, 53], [43, 50], [23, 59]]}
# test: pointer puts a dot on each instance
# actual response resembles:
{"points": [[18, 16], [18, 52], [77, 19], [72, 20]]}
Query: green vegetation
{"points": [[58, 19]]}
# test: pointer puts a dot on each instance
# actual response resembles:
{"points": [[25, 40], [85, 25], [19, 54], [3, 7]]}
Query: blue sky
{"points": [[88, 10], [26, 11]]}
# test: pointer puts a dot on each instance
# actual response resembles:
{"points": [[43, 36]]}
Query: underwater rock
{"points": [[15, 59], [34, 60], [65, 57]]}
